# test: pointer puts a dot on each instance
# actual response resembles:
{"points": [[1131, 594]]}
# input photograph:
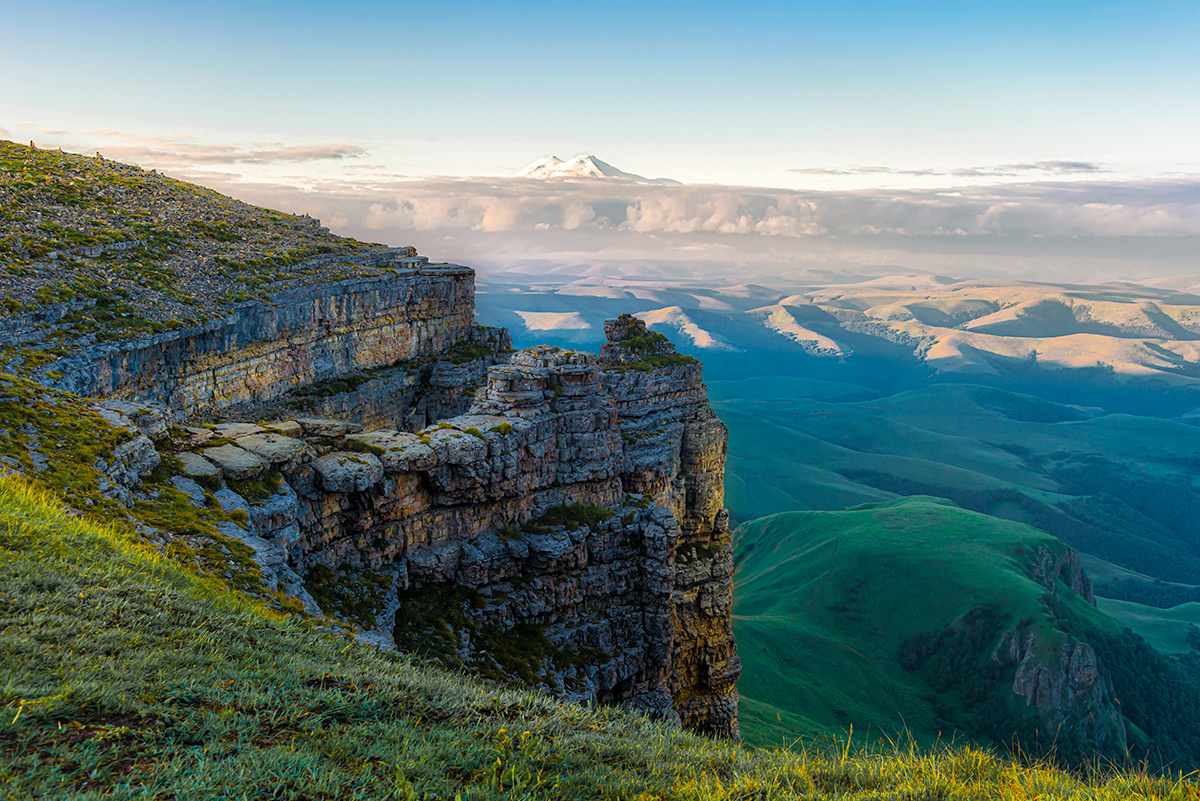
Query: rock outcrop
{"points": [[544, 516], [576, 507], [1062, 679], [1068, 686], [1054, 564], [260, 351]]}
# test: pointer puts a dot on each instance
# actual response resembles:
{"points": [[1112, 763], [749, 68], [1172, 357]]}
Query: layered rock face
{"points": [[1068, 686], [674, 450], [567, 530], [1065, 681], [262, 350], [411, 396]]}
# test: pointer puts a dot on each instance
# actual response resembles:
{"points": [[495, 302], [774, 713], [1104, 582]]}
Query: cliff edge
{"points": [[321, 423]]}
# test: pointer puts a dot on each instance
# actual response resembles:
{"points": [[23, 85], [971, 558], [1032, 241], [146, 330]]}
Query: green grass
{"points": [[828, 606], [259, 489], [1168, 630], [1118, 487], [127, 676]]}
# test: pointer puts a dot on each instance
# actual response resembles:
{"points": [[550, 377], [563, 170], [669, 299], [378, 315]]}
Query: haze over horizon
{"points": [[1017, 139]]}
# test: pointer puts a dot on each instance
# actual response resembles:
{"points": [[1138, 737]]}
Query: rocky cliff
{"points": [[546, 517], [1061, 678], [259, 351], [567, 530], [302, 413]]}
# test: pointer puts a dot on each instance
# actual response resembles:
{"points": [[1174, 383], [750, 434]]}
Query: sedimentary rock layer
{"points": [[261, 350], [577, 504]]}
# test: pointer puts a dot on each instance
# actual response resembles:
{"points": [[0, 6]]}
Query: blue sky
{"points": [[1038, 139], [702, 92]]}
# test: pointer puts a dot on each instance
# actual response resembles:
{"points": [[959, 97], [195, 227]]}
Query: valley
{"points": [[885, 436], [1120, 346]]}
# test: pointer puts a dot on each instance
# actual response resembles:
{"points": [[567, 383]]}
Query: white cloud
{"points": [[1052, 167], [1099, 210], [641, 227]]}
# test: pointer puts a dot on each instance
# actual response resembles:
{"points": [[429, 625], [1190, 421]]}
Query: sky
{"points": [[363, 110]]}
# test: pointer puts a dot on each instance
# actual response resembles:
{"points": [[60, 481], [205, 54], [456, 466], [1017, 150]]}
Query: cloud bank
{"points": [[1064, 218], [1094, 209], [1080, 230], [179, 152], [1033, 168]]}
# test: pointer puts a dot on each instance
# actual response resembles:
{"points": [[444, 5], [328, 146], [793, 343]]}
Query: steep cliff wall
{"points": [[573, 508], [567, 531], [674, 450], [261, 350], [408, 396]]}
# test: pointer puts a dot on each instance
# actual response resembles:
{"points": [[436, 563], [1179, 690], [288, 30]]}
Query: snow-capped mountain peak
{"points": [[583, 166]]}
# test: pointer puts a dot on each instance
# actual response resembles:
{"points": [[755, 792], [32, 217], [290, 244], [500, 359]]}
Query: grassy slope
{"points": [[1120, 487], [825, 599], [197, 252], [126, 676], [1167, 630]]}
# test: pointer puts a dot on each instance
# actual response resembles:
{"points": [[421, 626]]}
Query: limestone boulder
{"points": [[275, 448], [196, 465], [235, 430], [289, 428], [402, 452], [345, 471], [236, 463], [454, 447]]}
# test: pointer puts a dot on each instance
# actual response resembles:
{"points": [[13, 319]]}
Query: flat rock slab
{"points": [[289, 428], [275, 448], [196, 465], [319, 427], [235, 430], [344, 471], [236, 463], [402, 452], [452, 446]]}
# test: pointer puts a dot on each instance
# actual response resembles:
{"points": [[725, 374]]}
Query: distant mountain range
{"points": [[583, 167], [1089, 340]]}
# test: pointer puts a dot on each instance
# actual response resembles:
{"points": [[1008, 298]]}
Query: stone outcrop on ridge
{"points": [[566, 527], [577, 503]]}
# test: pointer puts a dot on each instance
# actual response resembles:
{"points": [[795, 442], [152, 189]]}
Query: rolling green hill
{"points": [[1121, 488], [890, 618]]}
